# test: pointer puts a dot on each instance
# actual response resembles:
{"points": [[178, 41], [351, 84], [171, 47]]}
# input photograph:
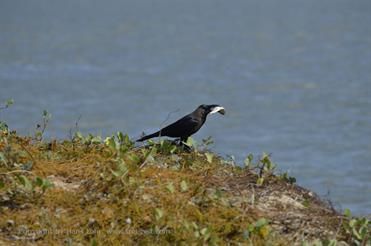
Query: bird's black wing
{"points": [[184, 127]]}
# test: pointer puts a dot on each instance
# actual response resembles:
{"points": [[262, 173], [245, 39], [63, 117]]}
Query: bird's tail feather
{"points": [[156, 134]]}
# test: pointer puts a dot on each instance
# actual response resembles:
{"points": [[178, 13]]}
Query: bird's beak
{"points": [[218, 109]]}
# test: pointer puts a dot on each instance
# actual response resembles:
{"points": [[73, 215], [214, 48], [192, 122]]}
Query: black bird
{"points": [[187, 125]]}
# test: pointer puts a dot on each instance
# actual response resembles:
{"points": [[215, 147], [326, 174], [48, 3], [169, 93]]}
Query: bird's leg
{"points": [[176, 141], [185, 147]]}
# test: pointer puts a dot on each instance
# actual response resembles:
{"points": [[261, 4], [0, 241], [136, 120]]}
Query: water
{"points": [[294, 77]]}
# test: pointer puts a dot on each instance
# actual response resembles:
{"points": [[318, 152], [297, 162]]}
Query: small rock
{"points": [[92, 222], [5, 198], [10, 223], [128, 221]]}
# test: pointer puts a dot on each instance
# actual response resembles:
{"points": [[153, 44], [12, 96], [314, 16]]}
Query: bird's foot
{"points": [[179, 143], [186, 148]]}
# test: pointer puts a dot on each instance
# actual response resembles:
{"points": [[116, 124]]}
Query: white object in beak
{"points": [[216, 109]]}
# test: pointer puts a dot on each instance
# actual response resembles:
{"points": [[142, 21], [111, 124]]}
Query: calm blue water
{"points": [[294, 76]]}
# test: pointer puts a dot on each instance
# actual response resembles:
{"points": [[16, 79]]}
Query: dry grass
{"points": [[178, 198]]}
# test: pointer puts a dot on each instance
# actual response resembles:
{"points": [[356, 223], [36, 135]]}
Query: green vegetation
{"points": [[89, 191], [357, 229]]}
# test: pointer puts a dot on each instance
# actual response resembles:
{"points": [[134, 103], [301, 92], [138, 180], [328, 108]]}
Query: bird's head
{"points": [[211, 109]]}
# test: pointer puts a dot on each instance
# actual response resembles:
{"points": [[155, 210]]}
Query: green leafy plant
{"points": [[121, 144], [359, 229], [285, 176], [158, 213], [121, 169], [317, 242], [265, 167], [3, 125], [40, 128], [229, 160], [29, 185], [191, 143], [259, 228], [183, 186], [209, 157], [167, 147], [207, 141], [89, 139], [170, 187], [44, 184], [204, 234], [248, 161]]}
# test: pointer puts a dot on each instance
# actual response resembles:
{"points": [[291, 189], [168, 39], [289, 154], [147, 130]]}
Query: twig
{"points": [[76, 127], [28, 152], [45, 123], [167, 118], [40, 134], [339, 227], [261, 170], [17, 171], [143, 164]]}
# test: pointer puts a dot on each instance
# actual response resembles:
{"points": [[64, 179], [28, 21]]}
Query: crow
{"points": [[188, 125]]}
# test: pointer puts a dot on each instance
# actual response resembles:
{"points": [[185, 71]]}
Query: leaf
{"points": [[218, 193], [248, 160], [261, 222], [347, 212], [93, 242], [39, 181], [134, 158], [38, 134], [190, 142], [79, 135], [170, 187], [260, 181], [206, 233], [209, 157], [2, 158], [153, 151], [173, 149], [27, 166], [43, 183], [2, 184], [3, 126], [356, 234], [46, 115], [110, 142], [203, 231], [207, 141], [25, 182], [46, 184], [120, 137], [352, 223], [96, 140], [122, 168], [264, 231], [9, 102], [251, 228], [194, 225], [159, 213], [183, 186], [332, 242]]}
